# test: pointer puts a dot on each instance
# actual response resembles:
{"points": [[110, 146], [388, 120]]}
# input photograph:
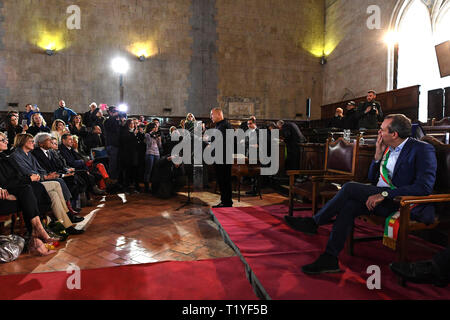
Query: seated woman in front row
{"points": [[31, 196]]}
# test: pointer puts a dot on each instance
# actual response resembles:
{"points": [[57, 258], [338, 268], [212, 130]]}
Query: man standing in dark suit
{"points": [[292, 137], [370, 112], [223, 171], [402, 166]]}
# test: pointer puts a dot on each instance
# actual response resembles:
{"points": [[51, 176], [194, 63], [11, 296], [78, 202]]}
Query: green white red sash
{"points": [[392, 223]]}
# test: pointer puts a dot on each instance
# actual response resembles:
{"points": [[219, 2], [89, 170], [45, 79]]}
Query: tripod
{"points": [[189, 201]]}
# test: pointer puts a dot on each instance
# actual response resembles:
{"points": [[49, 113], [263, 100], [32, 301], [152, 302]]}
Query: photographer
{"points": [[370, 112], [153, 143], [112, 135]]}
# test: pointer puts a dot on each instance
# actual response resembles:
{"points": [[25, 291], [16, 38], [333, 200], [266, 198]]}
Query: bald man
{"points": [[223, 171]]}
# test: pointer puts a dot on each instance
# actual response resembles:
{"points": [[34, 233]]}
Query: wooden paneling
{"points": [[447, 102], [404, 101], [435, 104]]}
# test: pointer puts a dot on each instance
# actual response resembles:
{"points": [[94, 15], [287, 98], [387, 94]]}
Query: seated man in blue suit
{"points": [[402, 166]]}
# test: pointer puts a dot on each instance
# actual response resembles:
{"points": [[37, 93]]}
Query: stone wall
{"points": [[358, 56], [200, 53], [81, 72], [266, 55]]}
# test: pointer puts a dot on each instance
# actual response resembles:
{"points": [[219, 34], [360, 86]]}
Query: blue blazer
{"points": [[414, 175]]}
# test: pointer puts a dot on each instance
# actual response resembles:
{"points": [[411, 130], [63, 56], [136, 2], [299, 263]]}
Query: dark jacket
{"points": [[49, 164], [93, 141], [112, 132], [33, 130], [414, 175], [223, 126], [129, 145], [292, 134], [90, 117], [336, 122], [10, 174], [370, 120], [73, 158], [351, 120]]}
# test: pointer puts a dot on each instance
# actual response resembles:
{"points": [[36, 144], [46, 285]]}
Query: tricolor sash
{"points": [[392, 223]]}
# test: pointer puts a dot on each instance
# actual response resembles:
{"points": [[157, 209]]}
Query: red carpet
{"points": [[275, 253], [217, 279]]}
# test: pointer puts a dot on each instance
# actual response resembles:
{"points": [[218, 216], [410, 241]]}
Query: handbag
{"points": [[11, 247]]}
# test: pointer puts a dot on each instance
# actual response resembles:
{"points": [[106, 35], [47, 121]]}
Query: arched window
{"points": [[418, 34]]}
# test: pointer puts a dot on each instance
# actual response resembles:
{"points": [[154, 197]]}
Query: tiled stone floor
{"points": [[140, 228]]}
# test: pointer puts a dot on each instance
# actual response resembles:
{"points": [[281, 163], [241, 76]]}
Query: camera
{"points": [[155, 134]]}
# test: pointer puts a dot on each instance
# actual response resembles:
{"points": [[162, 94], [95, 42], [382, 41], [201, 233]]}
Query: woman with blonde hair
{"points": [[37, 125], [58, 129], [189, 124]]}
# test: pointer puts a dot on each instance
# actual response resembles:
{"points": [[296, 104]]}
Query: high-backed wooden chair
{"points": [[440, 197], [13, 214], [340, 166]]}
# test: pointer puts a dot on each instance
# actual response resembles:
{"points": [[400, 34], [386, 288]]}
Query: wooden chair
{"points": [[340, 166], [13, 215], [440, 195]]}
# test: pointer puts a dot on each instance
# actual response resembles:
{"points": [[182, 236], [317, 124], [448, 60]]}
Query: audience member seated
{"points": [[13, 128], [402, 166], [77, 128], [56, 188], [37, 125], [338, 120], [75, 160], [29, 165], [63, 113], [31, 196], [167, 177], [30, 110], [94, 139], [58, 129]]}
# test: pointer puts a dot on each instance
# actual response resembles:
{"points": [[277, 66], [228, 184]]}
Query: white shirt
{"points": [[393, 157]]}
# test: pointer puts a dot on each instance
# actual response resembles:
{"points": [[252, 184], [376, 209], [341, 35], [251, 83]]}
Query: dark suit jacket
{"points": [[48, 164], [414, 175], [73, 159]]}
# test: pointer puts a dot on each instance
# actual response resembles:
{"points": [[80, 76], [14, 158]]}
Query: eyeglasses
{"points": [[4, 140]]}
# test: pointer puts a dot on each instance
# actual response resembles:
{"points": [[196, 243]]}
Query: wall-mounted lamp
{"points": [[323, 60], [50, 52], [142, 58]]}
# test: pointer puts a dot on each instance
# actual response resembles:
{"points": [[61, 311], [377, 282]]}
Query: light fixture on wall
{"points": [[120, 66], [142, 58], [323, 60], [50, 52]]}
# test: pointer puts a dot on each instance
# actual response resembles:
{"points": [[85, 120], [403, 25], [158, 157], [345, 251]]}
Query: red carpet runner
{"points": [[273, 254], [217, 279]]}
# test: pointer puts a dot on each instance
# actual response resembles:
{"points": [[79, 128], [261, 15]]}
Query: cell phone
{"points": [[24, 122]]}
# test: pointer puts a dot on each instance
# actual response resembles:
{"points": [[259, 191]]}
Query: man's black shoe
{"points": [[74, 218], [325, 264], [73, 231], [222, 205], [417, 272], [305, 225]]}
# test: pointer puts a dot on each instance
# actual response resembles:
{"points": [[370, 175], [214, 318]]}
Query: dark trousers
{"points": [[349, 203], [223, 176], [442, 261], [293, 157], [32, 200], [113, 156]]}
